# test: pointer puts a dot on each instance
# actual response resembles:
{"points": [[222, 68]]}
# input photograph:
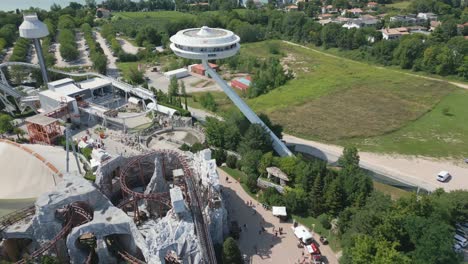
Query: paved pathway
{"points": [[112, 69], [270, 248]]}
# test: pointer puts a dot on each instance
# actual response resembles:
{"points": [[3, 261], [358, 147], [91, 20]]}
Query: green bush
{"points": [[184, 147], [231, 161], [197, 147], [87, 153], [219, 155], [324, 220]]}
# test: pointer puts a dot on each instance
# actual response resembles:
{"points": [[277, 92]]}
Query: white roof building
{"points": [[177, 200], [94, 83]]}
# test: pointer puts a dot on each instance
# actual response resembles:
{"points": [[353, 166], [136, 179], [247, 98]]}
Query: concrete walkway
{"points": [[264, 247], [416, 171]]}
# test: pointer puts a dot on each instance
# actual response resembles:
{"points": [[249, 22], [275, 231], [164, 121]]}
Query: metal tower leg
{"points": [[40, 57], [278, 145]]}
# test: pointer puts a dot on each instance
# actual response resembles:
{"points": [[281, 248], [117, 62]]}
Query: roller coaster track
{"points": [[73, 215], [16, 216], [195, 204]]}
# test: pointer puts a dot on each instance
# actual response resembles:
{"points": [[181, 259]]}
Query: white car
{"points": [[457, 248], [443, 176]]}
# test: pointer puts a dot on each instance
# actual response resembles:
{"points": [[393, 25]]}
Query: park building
{"points": [[205, 43]]}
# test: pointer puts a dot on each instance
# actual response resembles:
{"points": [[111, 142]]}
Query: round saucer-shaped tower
{"points": [[205, 43]]}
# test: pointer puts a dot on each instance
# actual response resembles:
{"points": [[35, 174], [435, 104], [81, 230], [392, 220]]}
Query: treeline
{"points": [[131, 6], [417, 52], [20, 50], [97, 56], [412, 229], [67, 39], [371, 226]]}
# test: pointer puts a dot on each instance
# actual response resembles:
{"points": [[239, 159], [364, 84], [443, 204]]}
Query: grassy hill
{"points": [[342, 101]]}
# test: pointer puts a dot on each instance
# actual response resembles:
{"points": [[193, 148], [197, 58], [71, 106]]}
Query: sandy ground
{"points": [[419, 171], [25, 176], [8, 54], [112, 69], [83, 59], [270, 248], [193, 83], [127, 46]]}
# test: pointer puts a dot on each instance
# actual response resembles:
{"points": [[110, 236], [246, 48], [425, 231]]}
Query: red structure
{"points": [[43, 129], [241, 83], [199, 69]]}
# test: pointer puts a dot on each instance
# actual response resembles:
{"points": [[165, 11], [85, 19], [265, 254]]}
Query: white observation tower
{"points": [[33, 28], [214, 43]]}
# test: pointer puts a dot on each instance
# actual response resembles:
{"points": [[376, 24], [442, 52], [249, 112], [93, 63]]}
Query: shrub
{"points": [[220, 156], [231, 161], [87, 153], [324, 221], [184, 147], [197, 147]]}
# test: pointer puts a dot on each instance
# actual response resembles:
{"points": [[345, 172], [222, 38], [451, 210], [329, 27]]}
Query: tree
{"points": [[5, 123], [335, 197], [135, 76], [207, 101], [317, 201], [184, 93], [19, 132], [256, 138], [173, 89], [231, 161], [231, 252], [350, 158]]}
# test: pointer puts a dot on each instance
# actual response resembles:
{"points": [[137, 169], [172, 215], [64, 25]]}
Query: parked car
{"points": [[457, 248], [463, 242], [462, 233], [443, 176]]}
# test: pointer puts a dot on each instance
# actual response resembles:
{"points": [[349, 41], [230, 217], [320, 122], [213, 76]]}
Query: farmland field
{"points": [[341, 101]]}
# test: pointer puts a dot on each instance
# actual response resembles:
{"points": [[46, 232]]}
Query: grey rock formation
{"points": [[172, 233]]}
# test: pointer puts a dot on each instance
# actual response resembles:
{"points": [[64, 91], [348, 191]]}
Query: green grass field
{"points": [[400, 5], [160, 15], [346, 102]]}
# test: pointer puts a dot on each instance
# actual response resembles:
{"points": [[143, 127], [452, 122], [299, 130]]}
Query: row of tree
{"points": [[98, 58], [66, 38]]}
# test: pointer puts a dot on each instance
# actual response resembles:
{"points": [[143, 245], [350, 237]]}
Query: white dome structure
{"points": [[205, 43], [32, 27]]}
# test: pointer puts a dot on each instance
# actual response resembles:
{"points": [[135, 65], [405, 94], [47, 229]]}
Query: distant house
{"points": [[325, 16], [241, 83], [354, 11], [394, 33], [290, 8], [360, 23], [372, 4], [434, 24], [329, 9], [103, 13], [409, 19], [427, 16]]}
